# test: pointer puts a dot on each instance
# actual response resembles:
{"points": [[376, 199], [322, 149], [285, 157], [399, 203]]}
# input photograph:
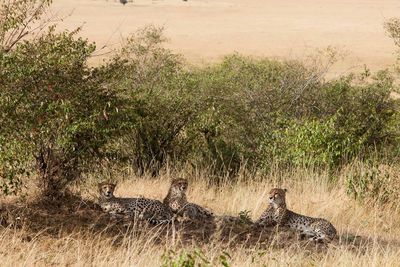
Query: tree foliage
{"points": [[147, 107], [55, 110]]}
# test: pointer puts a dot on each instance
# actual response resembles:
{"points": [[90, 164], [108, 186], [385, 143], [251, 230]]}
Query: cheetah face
{"points": [[277, 197], [180, 185], [106, 190]]}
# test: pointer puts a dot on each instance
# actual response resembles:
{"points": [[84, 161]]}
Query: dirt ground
{"points": [[205, 30]]}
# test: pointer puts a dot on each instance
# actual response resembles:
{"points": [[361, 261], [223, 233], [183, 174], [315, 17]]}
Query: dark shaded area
{"points": [[71, 214]]}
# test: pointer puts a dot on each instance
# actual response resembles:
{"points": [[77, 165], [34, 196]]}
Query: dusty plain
{"points": [[205, 30]]}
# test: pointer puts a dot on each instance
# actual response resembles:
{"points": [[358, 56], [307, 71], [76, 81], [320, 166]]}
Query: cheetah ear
{"points": [[284, 189]]}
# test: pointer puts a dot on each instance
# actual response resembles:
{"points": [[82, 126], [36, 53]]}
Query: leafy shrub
{"points": [[148, 107], [184, 259], [12, 166], [311, 143], [245, 217], [20, 20], [392, 27], [260, 111], [373, 182], [191, 259], [246, 98], [163, 101], [349, 121], [54, 106]]}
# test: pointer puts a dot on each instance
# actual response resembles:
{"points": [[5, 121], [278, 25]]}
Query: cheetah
{"points": [[176, 200], [142, 208], [316, 229]]}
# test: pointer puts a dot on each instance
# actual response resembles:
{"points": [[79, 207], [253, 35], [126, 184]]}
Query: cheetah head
{"points": [[277, 197], [179, 186], [106, 190]]}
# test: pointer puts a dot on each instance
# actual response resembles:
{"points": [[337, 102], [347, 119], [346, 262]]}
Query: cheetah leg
{"points": [[302, 236], [312, 235], [318, 236], [154, 219], [115, 215]]}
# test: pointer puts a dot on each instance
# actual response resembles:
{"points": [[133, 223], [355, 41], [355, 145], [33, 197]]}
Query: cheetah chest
{"points": [[176, 205]]}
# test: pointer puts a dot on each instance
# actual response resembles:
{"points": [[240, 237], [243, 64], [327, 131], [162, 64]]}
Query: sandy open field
{"points": [[205, 30]]}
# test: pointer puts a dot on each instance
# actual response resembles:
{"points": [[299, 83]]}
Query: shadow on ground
{"points": [[70, 214]]}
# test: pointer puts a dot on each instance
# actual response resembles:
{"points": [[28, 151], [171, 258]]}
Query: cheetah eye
{"points": [[276, 195]]}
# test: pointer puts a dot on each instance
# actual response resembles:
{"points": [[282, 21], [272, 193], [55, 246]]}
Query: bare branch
{"points": [[19, 19]]}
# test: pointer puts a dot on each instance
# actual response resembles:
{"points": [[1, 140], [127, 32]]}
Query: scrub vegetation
{"points": [[234, 128]]}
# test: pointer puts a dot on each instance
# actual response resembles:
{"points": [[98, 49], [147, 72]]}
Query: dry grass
{"points": [[80, 235]]}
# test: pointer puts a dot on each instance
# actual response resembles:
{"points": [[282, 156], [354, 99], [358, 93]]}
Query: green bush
{"points": [[184, 259], [164, 101], [310, 143], [59, 110], [392, 27], [263, 111], [349, 121], [246, 98], [146, 106], [21, 20], [192, 258], [13, 166], [373, 182]]}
